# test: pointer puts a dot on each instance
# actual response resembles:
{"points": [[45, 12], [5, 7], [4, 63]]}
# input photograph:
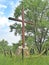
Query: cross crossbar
{"points": [[11, 18]]}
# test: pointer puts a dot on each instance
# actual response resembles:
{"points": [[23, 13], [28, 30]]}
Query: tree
{"points": [[36, 12], [3, 45], [15, 46]]}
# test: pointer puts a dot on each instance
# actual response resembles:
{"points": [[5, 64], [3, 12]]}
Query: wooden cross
{"points": [[23, 28]]}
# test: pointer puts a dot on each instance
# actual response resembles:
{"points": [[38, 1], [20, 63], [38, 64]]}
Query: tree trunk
{"points": [[40, 48]]}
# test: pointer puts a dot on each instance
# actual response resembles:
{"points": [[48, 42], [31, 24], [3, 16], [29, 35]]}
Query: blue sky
{"points": [[7, 8]]}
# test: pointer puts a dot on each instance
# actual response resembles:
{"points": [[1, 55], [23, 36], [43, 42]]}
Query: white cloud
{"points": [[13, 6], [4, 32], [9, 36], [5, 22], [3, 6], [1, 13]]}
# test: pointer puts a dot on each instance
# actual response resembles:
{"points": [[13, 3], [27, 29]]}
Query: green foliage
{"points": [[3, 44], [46, 45], [33, 9], [17, 11], [30, 41], [15, 46], [16, 27]]}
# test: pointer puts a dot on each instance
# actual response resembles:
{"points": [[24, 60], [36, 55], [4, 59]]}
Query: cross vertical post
{"points": [[23, 33]]}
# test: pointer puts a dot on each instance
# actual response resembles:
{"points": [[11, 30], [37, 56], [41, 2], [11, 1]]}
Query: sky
{"points": [[7, 8]]}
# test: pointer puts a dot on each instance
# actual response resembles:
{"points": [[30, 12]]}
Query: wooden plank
{"points": [[14, 19]]}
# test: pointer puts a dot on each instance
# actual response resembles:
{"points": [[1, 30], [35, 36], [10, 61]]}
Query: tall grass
{"points": [[17, 60]]}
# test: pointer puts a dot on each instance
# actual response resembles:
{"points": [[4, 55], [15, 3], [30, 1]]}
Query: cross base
{"points": [[25, 51]]}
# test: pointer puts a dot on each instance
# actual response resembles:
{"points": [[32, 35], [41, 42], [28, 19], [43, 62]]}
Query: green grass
{"points": [[32, 60]]}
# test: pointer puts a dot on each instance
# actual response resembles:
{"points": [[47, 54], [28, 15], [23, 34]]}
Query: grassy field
{"points": [[32, 60]]}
